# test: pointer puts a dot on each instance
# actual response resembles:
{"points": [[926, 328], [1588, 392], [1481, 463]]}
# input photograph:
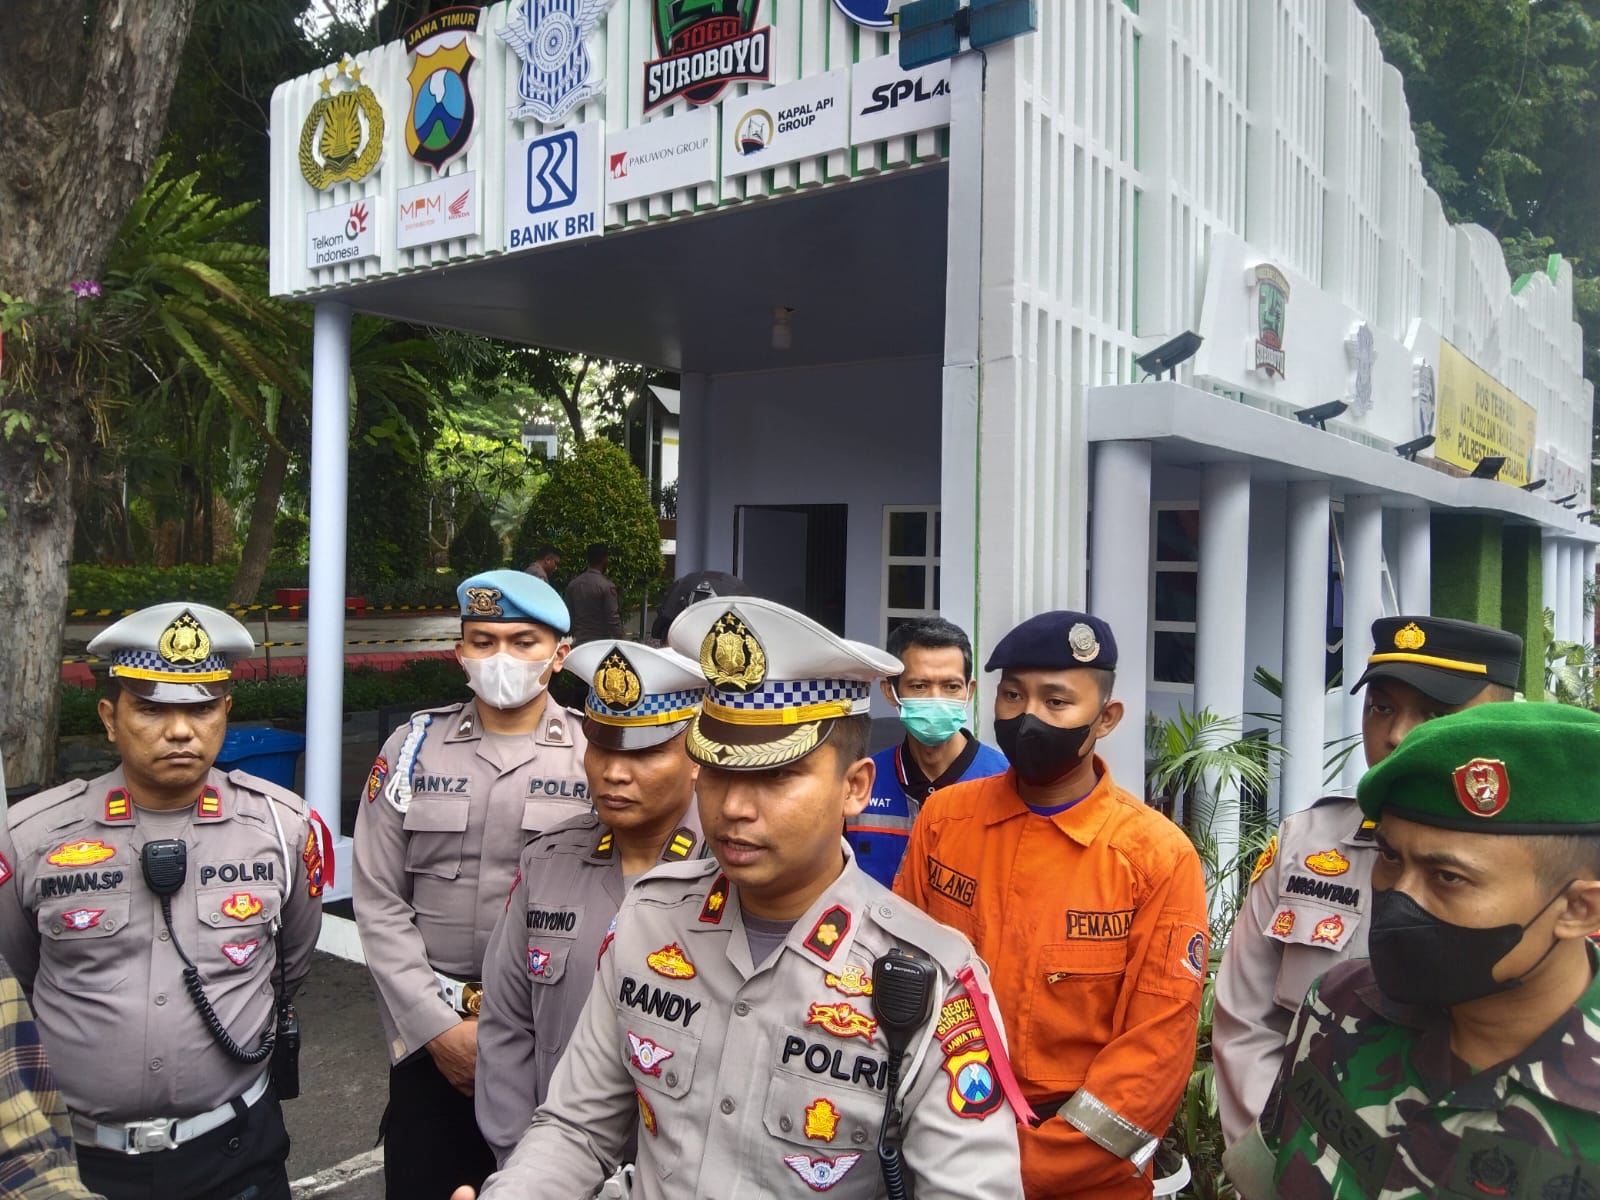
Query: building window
{"points": [[910, 564], [1175, 593]]}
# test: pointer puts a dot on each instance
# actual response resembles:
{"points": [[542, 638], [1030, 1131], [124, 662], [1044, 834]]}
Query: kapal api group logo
{"points": [[551, 39], [704, 46], [342, 138], [440, 123]]}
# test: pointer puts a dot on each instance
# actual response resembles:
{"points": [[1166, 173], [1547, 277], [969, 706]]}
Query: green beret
{"points": [[1494, 768]]}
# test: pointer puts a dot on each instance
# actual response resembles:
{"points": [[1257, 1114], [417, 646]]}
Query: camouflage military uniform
{"points": [[1371, 1102]]}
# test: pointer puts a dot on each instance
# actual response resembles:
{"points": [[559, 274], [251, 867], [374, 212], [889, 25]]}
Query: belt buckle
{"points": [[471, 998], [145, 1136]]}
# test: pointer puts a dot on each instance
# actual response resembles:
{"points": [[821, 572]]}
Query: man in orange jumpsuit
{"points": [[1088, 906]]}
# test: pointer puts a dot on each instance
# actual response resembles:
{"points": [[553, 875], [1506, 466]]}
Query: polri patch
{"points": [[646, 1054], [716, 902], [311, 856], [670, 961], [376, 776], [1268, 857], [829, 931], [821, 1173]]}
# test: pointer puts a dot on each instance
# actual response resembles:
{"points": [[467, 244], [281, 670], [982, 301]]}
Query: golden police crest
{"points": [[483, 602], [1410, 637], [342, 138], [185, 642], [730, 655], [616, 683]]}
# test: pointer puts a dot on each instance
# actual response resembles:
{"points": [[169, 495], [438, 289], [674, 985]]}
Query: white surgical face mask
{"points": [[503, 681]]}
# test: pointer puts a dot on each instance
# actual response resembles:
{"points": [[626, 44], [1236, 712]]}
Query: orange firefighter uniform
{"points": [[1093, 923]]}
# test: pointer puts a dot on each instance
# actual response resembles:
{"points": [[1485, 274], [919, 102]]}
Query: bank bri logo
{"points": [[551, 39], [552, 172], [704, 46]]}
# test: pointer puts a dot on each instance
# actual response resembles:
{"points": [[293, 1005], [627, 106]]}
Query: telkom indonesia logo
{"points": [[356, 223]]}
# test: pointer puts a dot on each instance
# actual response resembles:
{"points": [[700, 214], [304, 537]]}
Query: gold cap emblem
{"points": [[1410, 637], [730, 655], [1084, 645], [484, 602], [616, 683], [184, 642]]}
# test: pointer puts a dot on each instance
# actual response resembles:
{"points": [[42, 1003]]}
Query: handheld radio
{"points": [[902, 1000]]}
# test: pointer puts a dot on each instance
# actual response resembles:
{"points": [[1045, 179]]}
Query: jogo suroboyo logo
{"points": [[704, 46]]}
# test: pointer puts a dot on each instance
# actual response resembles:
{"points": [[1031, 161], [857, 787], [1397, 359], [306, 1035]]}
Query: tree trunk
{"points": [[263, 518], [84, 89], [569, 400]]}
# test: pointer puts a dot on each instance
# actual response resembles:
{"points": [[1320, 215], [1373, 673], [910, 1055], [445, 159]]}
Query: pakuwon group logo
{"points": [[552, 172], [704, 46], [356, 223], [619, 165]]}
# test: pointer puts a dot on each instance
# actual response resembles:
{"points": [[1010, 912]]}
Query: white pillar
{"points": [[1363, 604], [1305, 632], [330, 438], [1550, 569], [1564, 575], [1416, 561], [1572, 589], [1119, 592], [1590, 553], [1219, 663]]}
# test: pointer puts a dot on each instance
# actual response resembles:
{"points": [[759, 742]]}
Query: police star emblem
{"points": [[1410, 637], [342, 138], [185, 642], [731, 656], [616, 683], [550, 38]]}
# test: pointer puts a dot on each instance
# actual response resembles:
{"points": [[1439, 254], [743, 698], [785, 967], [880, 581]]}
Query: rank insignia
{"points": [[1268, 857], [616, 683], [1327, 862], [822, 1121], [538, 961], [185, 642], [716, 901], [241, 906], [1283, 923], [80, 854], [342, 137], [1493, 1172], [376, 776], [842, 1020], [117, 805], [483, 602], [973, 1093], [1328, 930], [647, 1115], [647, 1055], [602, 848], [1410, 637], [851, 980], [821, 1173], [670, 961], [730, 655], [679, 845], [827, 934], [1084, 645], [441, 116], [1483, 787], [239, 953], [83, 918], [210, 803]]}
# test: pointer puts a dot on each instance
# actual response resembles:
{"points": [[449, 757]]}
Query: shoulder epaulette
{"points": [[674, 880], [909, 924], [42, 802], [265, 787], [1325, 801], [575, 833]]}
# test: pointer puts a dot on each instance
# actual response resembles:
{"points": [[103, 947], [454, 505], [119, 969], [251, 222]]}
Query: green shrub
{"points": [[95, 587], [476, 546], [436, 589], [597, 495]]}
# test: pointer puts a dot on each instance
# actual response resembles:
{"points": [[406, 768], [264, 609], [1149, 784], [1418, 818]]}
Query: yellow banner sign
{"points": [[1479, 416]]}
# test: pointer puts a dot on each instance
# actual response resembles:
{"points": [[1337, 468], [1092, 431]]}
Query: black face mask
{"points": [[1041, 753], [1419, 959]]}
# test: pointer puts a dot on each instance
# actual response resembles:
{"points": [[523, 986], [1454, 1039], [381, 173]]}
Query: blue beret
{"points": [[512, 596], [1057, 641]]}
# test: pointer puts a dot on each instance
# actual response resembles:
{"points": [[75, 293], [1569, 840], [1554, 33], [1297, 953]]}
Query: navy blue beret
{"points": [[1058, 641]]}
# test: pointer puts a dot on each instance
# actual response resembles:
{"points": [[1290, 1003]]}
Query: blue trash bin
{"points": [[273, 754]]}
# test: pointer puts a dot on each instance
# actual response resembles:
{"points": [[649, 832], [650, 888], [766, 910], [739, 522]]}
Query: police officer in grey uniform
{"points": [[571, 880], [451, 799], [155, 914], [1311, 889], [733, 1018]]}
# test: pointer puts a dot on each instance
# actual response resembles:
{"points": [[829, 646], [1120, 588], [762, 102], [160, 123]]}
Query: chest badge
{"points": [[241, 906], [842, 1020], [822, 1121], [1328, 862], [80, 854], [538, 962], [821, 1173], [1329, 930], [671, 962], [239, 953], [851, 980], [646, 1054], [83, 918], [1283, 923]]}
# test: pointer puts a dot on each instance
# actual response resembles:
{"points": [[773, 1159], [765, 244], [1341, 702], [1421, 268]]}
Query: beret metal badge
{"points": [[1084, 645], [730, 655], [1410, 637], [1483, 786], [185, 641], [616, 683], [484, 602]]}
